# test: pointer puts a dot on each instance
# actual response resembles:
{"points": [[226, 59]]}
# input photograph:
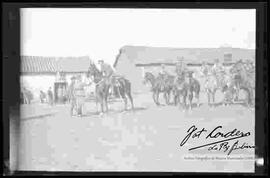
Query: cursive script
{"points": [[222, 144], [226, 147]]}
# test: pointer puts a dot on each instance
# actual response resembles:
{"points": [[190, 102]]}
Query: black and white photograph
{"points": [[137, 89]]}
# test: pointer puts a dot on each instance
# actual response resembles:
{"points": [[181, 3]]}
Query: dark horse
{"points": [[121, 86], [188, 87], [160, 85], [180, 89]]}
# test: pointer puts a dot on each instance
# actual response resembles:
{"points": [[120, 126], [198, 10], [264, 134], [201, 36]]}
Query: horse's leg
{"points": [[128, 92], [197, 95], [122, 93], [237, 93], [169, 97], [102, 105], [175, 97], [106, 103], [165, 97], [213, 97], [190, 97], [157, 96], [208, 97], [185, 100], [198, 99], [154, 96], [130, 99]]}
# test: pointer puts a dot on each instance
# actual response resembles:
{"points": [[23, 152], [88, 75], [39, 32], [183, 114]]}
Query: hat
{"points": [[73, 78], [190, 73]]}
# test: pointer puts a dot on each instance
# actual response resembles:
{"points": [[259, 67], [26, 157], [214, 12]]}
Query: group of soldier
{"points": [[181, 68]]}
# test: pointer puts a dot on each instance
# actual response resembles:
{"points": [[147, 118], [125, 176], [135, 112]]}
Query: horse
{"points": [[180, 89], [243, 80], [194, 88], [103, 85], [160, 85]]}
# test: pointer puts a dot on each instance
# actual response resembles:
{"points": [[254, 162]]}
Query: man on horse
{"points": [[218, 71], [204, 69], [217, 67], [107, 72], [163, 74], [180, 70]]}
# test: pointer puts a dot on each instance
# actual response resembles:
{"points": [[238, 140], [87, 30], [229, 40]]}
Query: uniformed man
{"points": [[72, 97], [180, 68], [204, 69], [163, 72], [217, 67], [107, 72], [50, 96], [79, 94], [106, 69]]}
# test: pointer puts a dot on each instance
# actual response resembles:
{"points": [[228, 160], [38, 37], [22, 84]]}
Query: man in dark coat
{"points": [[107, 72], [50, 96], [72, 98]]}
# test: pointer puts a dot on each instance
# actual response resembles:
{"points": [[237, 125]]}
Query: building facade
{"points": [[39, 73]]}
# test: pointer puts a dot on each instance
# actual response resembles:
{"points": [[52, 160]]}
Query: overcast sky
{"points": [[100, 33]]}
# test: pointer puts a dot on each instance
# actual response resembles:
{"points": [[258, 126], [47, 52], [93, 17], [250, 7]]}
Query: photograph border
{"points": [[11, 74]]}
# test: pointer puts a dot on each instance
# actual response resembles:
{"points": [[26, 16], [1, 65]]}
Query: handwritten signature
{"points": [[221, 145]]}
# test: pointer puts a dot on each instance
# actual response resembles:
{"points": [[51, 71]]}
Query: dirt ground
{"points": [[145, 139]]}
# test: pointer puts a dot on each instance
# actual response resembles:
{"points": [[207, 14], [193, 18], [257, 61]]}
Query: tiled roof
{"points": [[40, 64]]}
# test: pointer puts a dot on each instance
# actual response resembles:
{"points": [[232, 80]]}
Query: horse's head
{"points": [[148, 77], [92, 70]]}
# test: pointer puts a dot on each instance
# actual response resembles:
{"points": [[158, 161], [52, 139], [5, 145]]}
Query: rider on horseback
{"points": [[217, 67], [180, 70], [163, 74], [204, 69], [107, 72]]}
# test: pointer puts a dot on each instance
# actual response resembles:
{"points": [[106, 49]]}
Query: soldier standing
{"points": [[72, 98], [50, 96], [79, 94]]}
